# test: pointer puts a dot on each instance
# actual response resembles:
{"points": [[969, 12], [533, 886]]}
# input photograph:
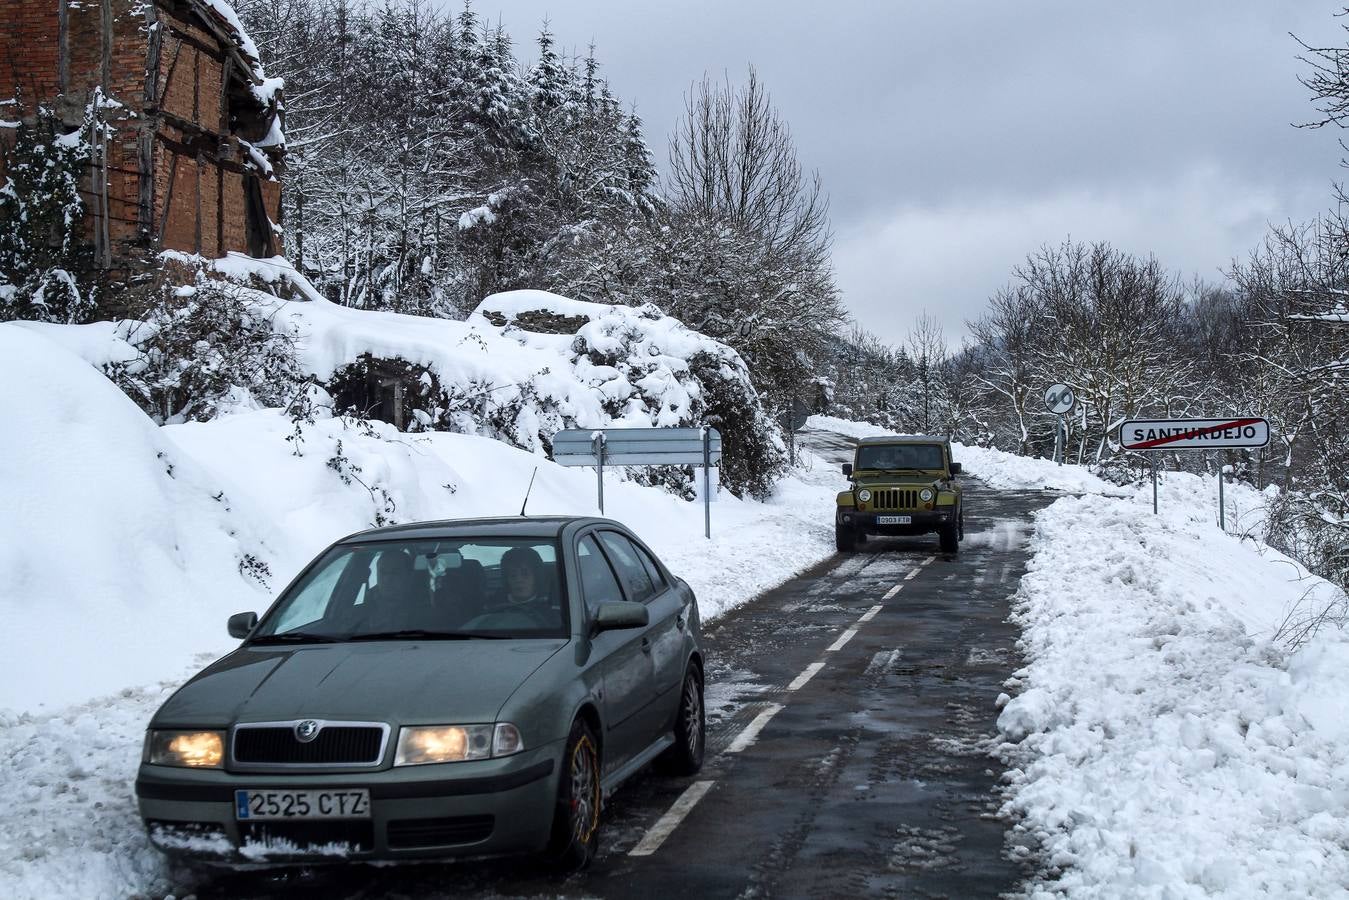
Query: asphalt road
{"points": [[849, 711]]}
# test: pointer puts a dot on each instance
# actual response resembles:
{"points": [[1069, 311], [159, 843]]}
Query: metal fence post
{"points": [[1152, 457], [599, 467], [1222, 505], [707, 483]]}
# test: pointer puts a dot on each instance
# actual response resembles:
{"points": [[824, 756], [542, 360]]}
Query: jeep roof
{"points": [[903, 439]]}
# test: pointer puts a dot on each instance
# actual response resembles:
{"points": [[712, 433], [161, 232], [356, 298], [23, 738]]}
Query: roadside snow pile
{"points": [[527, 364], [996, 468], [1162, 743], [112, 539], [126, 545]]}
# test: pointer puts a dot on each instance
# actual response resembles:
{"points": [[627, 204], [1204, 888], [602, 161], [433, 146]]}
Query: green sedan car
{"points": [[447, 689]]}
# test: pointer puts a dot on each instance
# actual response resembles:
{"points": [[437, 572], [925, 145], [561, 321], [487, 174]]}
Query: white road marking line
{"points": [[842, 639], [751, 732], [805, 676], [869, 614], [667, 823], [928, 560], [912, 575], [894, 590]]}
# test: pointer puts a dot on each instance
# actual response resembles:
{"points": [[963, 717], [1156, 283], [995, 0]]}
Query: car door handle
{"points": [[646, 645], [679, 622]]}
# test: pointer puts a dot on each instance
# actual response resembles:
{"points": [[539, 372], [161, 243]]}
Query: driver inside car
{"points": [[522, 570]]}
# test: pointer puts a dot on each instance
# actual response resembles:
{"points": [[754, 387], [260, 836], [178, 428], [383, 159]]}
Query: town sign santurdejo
{"points": [[1235, 432]]}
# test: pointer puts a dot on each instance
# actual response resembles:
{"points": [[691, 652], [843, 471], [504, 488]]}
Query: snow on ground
{"points": [[1163, 741], [127, 545], [996, 468]]}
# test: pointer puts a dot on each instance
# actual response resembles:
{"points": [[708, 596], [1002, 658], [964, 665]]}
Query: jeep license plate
{"points": [[894, 520], [251, 806]]}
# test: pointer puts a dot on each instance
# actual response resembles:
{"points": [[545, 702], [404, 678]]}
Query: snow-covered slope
{"points": [[1163, 741], [126, 545]]}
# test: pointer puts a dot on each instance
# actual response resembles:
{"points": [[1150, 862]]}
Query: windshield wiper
{"points": [[408, 634], [296, 637]]}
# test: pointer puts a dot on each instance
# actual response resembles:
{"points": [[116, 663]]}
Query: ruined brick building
{"points": [[185, 128]]}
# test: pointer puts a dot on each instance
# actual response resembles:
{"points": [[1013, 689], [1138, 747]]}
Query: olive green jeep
{"points": [[901, 486]]}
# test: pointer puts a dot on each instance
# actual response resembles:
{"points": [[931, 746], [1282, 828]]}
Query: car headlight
{"points": [[194, 749], [864, 495], [424, 744], [925, 495]]}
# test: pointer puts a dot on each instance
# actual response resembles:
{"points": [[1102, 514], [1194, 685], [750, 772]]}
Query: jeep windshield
{"points": [[423, 590], [899, 457]]}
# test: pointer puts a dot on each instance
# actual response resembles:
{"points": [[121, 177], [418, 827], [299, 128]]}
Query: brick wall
{"points": [[29, 31], [197, 205]]}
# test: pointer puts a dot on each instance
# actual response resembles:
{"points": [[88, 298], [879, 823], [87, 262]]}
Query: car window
{"points": [[629, 566], [901, 456], [598, 584], [312, 598], [653, 570], [442, 586]]}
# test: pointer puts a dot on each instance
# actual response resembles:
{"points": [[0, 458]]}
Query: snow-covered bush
{"points": [[45, 264], [205, 346]]}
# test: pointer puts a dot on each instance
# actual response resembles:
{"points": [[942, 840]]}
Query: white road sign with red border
{"points": [[1236, 432]]}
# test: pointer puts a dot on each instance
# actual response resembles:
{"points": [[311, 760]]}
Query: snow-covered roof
{"points": [[221, 15]]}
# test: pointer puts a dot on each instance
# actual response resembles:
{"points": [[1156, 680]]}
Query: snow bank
{"points": [[1161, 743], [997, 468], [127, 545], [106, 526]]}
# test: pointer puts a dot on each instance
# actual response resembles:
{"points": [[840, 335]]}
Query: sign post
{"points": [[1233, 432], [642, 447], [1059, 399]]}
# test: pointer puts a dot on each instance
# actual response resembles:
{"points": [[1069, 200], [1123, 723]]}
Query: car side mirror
{"points": [[240, 624], [847, 469], [621, 614], [955, 468]]}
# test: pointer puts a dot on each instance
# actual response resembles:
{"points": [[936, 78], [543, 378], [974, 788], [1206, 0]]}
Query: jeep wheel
{"points": [[845, 539], [960, 526], [950, 542]]}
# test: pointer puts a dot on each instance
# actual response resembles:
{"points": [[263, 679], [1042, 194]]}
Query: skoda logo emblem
{"points": [[306, 731]]}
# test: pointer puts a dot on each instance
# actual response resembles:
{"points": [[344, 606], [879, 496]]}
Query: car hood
{"points": [[389, 681], [919, 480]]}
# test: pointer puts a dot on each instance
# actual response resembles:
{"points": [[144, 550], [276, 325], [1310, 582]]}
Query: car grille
{"points": [[407, 833], [360, 745], [894, 499]]}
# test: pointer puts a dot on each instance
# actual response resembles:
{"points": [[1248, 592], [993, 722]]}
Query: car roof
{"points": [[546, 527], [903, 439]]}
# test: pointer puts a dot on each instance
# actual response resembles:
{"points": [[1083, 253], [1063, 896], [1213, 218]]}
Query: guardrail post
{"points": [[707, 482], [599, 465]]}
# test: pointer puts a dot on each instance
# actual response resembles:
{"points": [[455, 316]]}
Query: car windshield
{"points": [[459, 589], [900, 456]]}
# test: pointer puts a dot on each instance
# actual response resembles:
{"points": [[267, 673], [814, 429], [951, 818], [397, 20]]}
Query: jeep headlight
{"points": [[424, 744], [925, 495], [864, 495], [193, 749]]}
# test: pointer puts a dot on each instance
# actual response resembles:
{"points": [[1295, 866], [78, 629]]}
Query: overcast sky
{"points": [[955, 137]]}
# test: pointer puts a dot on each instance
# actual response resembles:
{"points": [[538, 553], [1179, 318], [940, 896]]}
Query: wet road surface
{"points": [[848, 715]]}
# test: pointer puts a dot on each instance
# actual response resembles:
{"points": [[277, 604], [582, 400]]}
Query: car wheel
{"points": [[685, 756], [576, 820], [845, 539], [960, 526], [949, 542]]}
